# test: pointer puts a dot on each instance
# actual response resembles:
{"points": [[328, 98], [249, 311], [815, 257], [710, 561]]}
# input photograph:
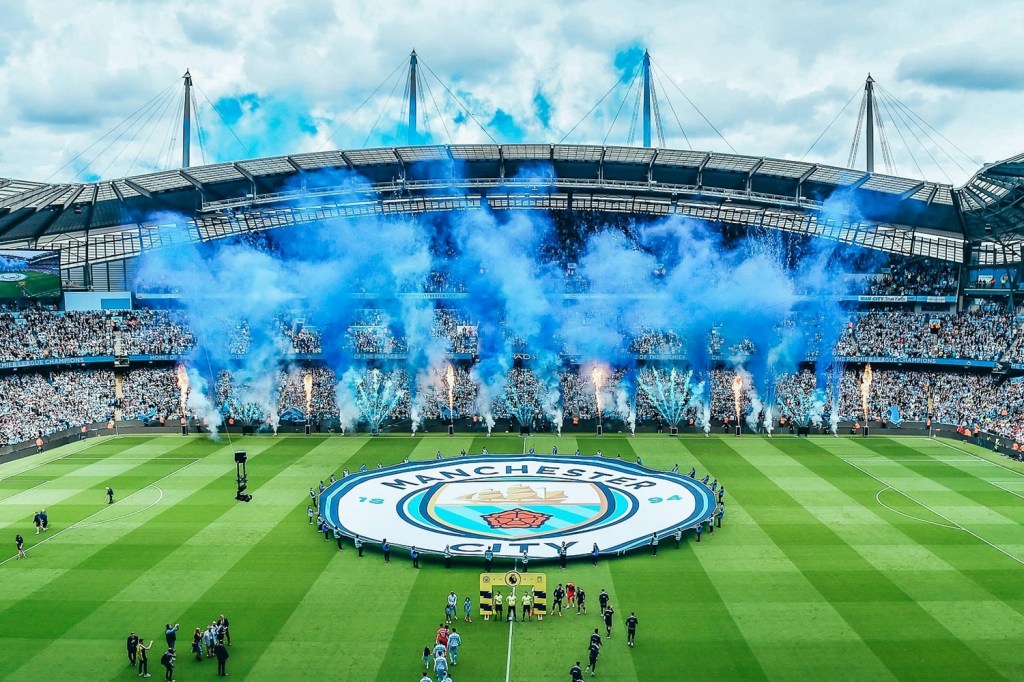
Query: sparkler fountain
{"points": [[865, 394], [672, 395], [307, 385], [737, 393], [520, 398], [835, 389], [376, 397], [450, 378], [598, 377], [182, 375]]}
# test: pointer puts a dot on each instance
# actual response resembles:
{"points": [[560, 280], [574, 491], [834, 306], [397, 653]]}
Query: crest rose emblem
{"points": [[516, 518]]}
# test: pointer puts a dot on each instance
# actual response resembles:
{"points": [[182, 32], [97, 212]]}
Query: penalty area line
{"points": [[976, 457], [81, 523], [954, 524], [92, 443]]}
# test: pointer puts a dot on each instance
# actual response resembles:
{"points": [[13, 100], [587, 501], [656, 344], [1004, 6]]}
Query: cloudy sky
{"points": [[90, 90]]}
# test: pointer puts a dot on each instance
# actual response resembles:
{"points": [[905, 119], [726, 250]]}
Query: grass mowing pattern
{"points": [[874, 558]]}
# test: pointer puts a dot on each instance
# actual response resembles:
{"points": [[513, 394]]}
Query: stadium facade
{"points": [[100, 228]]}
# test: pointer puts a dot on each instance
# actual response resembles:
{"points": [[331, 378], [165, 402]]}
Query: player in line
{"points": [[631, 628], [454, 642], [608, 613], [594, 650], [559, 595]]}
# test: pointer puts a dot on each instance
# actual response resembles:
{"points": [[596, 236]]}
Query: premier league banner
{"points": [[516, 503]]}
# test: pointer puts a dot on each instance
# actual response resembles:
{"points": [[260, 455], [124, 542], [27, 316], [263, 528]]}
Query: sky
{"points": [[92, 90]]}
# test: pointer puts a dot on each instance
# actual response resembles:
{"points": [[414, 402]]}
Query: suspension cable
{"points": [[619, 110], [459, 102], [836, 118], [883, 138], [885, 106], [696, 108], [224, 121], [636, 112], [381, 113], [437, 108], [931, 127], [593, 108], [855, 145], [152, 126], [672, 108], [907, 116], [200, 133], [133, 129], [656, 112], [173, 133], [335, 129], [145, 106]]}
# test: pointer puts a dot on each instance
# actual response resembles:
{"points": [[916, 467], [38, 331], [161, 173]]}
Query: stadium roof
{"points": [[981, 222]]}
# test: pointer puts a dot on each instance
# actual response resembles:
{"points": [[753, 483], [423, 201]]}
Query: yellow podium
{"points": [[538, 582]]}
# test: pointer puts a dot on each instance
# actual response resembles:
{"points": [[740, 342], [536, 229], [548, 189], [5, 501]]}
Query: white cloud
{"points": [[770, 75]]}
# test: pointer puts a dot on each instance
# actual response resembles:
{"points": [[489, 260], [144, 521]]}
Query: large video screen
{"points": [[28, 274]]}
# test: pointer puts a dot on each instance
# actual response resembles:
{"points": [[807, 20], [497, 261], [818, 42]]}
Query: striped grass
{"points": [[839, 558]]}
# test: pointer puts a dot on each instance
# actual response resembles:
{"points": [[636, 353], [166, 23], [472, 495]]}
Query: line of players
{"points": [[447, 641], [577, 596]]}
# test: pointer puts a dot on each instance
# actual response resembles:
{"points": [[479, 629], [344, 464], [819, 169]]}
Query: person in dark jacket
{"points": [[133, 648], [221, 652], [167, 661]]}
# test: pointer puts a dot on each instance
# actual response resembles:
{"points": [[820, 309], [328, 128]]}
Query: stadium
{"points": [[321, 392]]}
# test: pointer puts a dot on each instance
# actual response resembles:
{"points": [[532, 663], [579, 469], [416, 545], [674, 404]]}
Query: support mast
{"points": [[647, 98], [186, 122], [412, 98], [869, 138]]}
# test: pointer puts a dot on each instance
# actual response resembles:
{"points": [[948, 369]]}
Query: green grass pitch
{"points": [[840, 558], [35, 284]]}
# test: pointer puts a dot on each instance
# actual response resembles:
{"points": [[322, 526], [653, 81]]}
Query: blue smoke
{"points": [[656, 276]]}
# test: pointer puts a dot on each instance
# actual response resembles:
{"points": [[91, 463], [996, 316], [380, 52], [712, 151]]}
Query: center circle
{"points": [[515, 503]]}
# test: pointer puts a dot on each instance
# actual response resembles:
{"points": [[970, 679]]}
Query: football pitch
{"points": [[838, 558], [35, 284]]}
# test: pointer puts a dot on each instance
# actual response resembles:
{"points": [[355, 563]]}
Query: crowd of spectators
{"points": [[653, 342], [1015, 345], [982, 333], [459, 333], [920, 278], [975, 335], [579, 394], [36, 404], [153, 332], [150, 393], [37, 334], [292, 391]]}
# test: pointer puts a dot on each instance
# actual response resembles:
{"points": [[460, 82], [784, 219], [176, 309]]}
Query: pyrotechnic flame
{"points": [[182, 374], [737, 391], [865, 390], [450, 376], [307, 383], [597, 375]]}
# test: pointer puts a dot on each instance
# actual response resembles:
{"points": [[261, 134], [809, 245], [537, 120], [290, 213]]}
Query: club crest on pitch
{"points": [[510, 504], [516, 508]]}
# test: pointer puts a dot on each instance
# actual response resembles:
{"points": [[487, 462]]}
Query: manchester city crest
{"points": [[516, 503]]}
